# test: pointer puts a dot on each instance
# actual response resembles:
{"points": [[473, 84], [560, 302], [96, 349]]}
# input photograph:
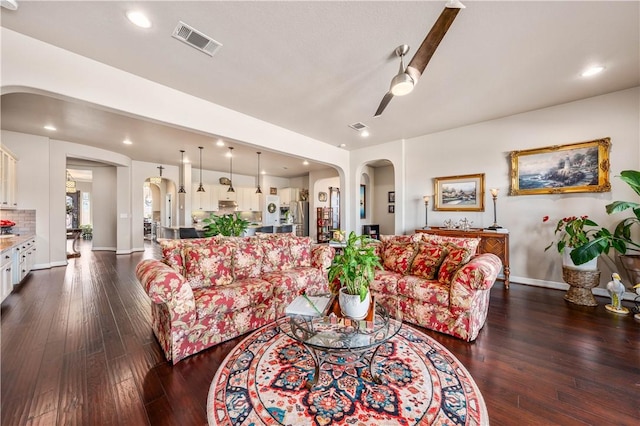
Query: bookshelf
{"points": [[324, 215]]}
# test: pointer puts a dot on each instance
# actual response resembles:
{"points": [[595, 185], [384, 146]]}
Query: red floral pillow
{"points": [[398, 257], [247, 258], [173, 251], [464, 242], [300, 248], [397, 239], [277, 254], [428, 259], [457, 257], [209, 265]]}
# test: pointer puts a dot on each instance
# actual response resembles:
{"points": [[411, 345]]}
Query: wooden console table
{"points": [[490, 242]]}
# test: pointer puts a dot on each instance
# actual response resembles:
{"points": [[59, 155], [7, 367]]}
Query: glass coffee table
{"points": [[334, 339]]}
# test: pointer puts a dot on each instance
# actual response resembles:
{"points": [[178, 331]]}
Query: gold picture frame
{"points": [[459, 193], [559, 169]]}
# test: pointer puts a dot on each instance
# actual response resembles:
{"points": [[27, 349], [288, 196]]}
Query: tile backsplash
{"points": [[25, 220]]}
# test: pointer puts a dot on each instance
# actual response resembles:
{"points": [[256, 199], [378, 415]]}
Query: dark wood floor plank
{"points": [[77, 348]]}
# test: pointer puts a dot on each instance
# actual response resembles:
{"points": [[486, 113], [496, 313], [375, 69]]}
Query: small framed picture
{"points": [[322, 197], [392, 196], [392, 208], [273, 191]]}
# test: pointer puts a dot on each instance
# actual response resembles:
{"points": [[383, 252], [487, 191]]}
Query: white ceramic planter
{"points": [[591, 265], [352, 307]]}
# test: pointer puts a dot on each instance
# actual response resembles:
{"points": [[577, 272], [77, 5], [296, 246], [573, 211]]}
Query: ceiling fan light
{"points": [[455, 4], [402, 84]]}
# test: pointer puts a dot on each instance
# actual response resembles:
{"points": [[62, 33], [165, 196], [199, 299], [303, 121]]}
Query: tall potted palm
{"points": [[355, 269], [622, 238]]}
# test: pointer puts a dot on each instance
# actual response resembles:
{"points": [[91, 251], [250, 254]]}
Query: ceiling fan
{"points": [[406, 79]]}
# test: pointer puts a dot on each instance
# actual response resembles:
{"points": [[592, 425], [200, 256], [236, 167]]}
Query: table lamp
{"points": [[426, 211], [494, 195]]}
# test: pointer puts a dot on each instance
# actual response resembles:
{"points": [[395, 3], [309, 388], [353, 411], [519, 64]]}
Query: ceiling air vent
{"points": [[357, 126], [196, 39]]}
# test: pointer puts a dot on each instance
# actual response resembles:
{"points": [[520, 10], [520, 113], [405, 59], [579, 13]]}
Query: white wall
{"points": [[104, 208], [384, 183], [484, 148]]}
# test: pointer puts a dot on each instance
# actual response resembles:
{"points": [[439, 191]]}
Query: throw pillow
{"points": [[397, 257], [277, 254], [428, 259], [399, 239], [300, 248], [457, 257], [209, 265], [247, 258], [172, 251], [469, 243]]}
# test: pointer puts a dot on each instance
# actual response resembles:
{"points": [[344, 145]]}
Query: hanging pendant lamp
{"points": [[200, 187], [181, 180], [157, 179], [258, 190], [231, 170]]}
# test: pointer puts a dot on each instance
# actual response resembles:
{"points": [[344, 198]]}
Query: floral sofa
{"points": [[437, 282], [208, 290]]}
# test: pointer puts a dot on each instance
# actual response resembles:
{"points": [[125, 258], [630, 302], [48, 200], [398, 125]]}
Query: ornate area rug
{"points": [[262, 382]]}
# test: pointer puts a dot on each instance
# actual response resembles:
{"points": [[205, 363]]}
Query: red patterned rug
{"points": [[262, 382]]}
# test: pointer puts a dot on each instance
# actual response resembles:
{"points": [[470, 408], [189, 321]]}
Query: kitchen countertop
{"points": [[10, 242]]}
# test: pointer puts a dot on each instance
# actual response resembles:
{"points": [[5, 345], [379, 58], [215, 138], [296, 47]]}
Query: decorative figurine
{"points": [[616, 291], [465, 224], [636, 288], [448, 224]]}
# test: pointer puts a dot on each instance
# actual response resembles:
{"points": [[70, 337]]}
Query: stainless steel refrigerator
{"points": [[299, 210]]}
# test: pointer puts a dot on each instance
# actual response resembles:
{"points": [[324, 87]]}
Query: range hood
{"points": [[227, 204]]}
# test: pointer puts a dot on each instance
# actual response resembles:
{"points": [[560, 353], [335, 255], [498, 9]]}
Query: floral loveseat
{"points": [[208, 290], [437, 282]]}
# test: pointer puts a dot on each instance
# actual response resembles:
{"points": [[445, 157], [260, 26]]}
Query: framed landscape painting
{"points": [[459, 193], [576, 167]]}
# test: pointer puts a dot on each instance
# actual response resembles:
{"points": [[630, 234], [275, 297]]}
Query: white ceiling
{"points": [[315, 67]]}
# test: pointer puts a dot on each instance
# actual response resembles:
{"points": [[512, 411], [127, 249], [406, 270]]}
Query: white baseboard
{"points": [[598, 291], [124, 251], [103, 249]]}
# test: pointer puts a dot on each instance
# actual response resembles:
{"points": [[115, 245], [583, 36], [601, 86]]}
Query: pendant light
{"points": [[231, 170], [157, 179], [181, 180], [70, 184], [200, 187], [258, 190]]}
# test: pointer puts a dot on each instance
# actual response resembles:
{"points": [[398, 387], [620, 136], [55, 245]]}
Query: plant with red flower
{"points": [[572, 232]]}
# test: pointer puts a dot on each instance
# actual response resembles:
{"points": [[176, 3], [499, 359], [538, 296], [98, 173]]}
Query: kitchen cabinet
{"points": [[8, 196], [6, 275], [24, 255], [224, 195], [204, 201], [288, 195], [248, 200]]}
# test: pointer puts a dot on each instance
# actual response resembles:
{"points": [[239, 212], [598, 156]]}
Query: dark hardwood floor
{"points": [[77, 349]]}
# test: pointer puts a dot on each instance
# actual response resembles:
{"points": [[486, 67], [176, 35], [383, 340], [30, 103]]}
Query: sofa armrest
{"points": [[164, 285], [321, 256], [479, 273]]}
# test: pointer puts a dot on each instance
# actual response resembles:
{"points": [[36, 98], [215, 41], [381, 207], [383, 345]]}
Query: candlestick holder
{"points": [[426, 212]]}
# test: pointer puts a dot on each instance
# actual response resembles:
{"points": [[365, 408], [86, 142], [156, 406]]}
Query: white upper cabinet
{"points": [[8, 196]]}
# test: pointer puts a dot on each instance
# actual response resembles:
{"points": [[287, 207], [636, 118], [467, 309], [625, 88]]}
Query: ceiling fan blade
{"points": [[383, 104], [430, 43]]}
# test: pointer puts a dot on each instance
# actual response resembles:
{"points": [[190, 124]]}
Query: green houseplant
{"points": [[229, 225], [621, 239], [354, 268]]}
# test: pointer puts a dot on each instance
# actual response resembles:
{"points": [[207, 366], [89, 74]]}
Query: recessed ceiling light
{"points": [[263, 172], [50, 127], [220, 142], [364, 133], [139, 19], [342, 145], [127, 142], [305, 162], [592, 71]]}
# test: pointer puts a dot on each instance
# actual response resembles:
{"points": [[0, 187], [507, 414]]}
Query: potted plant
{"points": [[229, 225], [621, 239], [355, 268], [573, 233]]}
